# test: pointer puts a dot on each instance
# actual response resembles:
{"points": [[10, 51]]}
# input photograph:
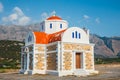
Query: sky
{"points": [[101, 17]]}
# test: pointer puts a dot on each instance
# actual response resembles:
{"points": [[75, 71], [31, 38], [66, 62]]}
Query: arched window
{"points": [[76, 34], [61, 26], [72, 34], [29, 38], [79, 36], [50, 25]]}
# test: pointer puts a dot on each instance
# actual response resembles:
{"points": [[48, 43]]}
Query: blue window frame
{"points": [[29, 38], [72, 34], [76, 34], [50, 25], [79, 36], [60, 25]]}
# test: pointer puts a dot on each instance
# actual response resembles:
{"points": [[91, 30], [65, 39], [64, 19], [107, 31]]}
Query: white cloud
{"points": [[97, 20], [17, 17], [1, 7], [18, 11], [13, 17], [23, 20], [86, 17]]}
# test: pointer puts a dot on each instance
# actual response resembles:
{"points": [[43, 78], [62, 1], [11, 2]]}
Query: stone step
{"points": [[81, 73]]}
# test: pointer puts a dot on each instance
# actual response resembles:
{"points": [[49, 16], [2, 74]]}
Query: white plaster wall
{"points": [[67, 36], [26, 39], [55, 25]]}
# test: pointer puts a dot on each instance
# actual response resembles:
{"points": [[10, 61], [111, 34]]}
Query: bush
{"points": [[10, 53]]}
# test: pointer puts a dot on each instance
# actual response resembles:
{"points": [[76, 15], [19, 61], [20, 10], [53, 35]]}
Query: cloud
{"points": [[23, 20], [13, 17], [89, 20], [18, 11], [17, 17], [86, 17], [1, 7], [97, 20]]}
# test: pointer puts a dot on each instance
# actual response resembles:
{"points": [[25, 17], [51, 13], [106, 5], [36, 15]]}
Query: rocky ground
{"points": [[106, 72]]}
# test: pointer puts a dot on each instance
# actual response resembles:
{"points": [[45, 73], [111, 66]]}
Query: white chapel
{"points": [[57, 49]]}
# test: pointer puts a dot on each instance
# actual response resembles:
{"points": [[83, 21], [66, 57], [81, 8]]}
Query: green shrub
{"points": [[10, 53]]}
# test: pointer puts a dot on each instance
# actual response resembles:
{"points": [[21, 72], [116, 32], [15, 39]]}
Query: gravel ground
{"points": [[106, 72]]}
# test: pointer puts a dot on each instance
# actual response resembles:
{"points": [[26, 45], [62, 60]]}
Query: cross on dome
{"points": [[54, 17], [54, 13]]}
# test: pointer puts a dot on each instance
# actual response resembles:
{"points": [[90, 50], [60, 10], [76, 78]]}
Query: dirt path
{"points": [[107, 72]]}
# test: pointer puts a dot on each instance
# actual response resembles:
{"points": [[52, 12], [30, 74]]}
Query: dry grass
{"points": [[9, 70], [107, 72]]}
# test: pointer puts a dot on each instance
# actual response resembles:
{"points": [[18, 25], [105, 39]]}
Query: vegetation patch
{"points": [[10, 54], [107, 60]]}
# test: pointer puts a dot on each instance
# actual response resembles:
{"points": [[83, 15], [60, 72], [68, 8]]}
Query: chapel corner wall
{"points": [[39, 57]]}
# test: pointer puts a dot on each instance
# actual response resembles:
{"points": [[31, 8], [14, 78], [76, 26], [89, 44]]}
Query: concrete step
{"points": [[81, 73]]}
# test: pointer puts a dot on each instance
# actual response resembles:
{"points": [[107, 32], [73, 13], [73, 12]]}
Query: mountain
{"points": [[15, 32], [104, 46]]}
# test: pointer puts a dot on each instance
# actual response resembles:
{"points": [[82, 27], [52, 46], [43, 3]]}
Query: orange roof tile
{"points": [[43, 38], [55, 36], [54, 18]]}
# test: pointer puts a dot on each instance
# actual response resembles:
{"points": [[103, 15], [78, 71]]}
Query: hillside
{"points": [[104, 46], [10, 53]]}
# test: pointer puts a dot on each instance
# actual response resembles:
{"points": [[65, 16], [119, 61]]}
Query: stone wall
{"points": [[39, 48], [68, 46], [22, 61], [52, 57], [39, 61], [51, 61], [51, 47], [39, 57], [30, 61], [86, 48], [88, 61], [67, 60]]}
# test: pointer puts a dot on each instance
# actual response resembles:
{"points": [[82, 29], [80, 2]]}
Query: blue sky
{"points": [[101, 17]]}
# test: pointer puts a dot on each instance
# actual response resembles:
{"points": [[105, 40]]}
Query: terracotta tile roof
{"points": [[43, 38], [55, 36], [54, 18]]}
